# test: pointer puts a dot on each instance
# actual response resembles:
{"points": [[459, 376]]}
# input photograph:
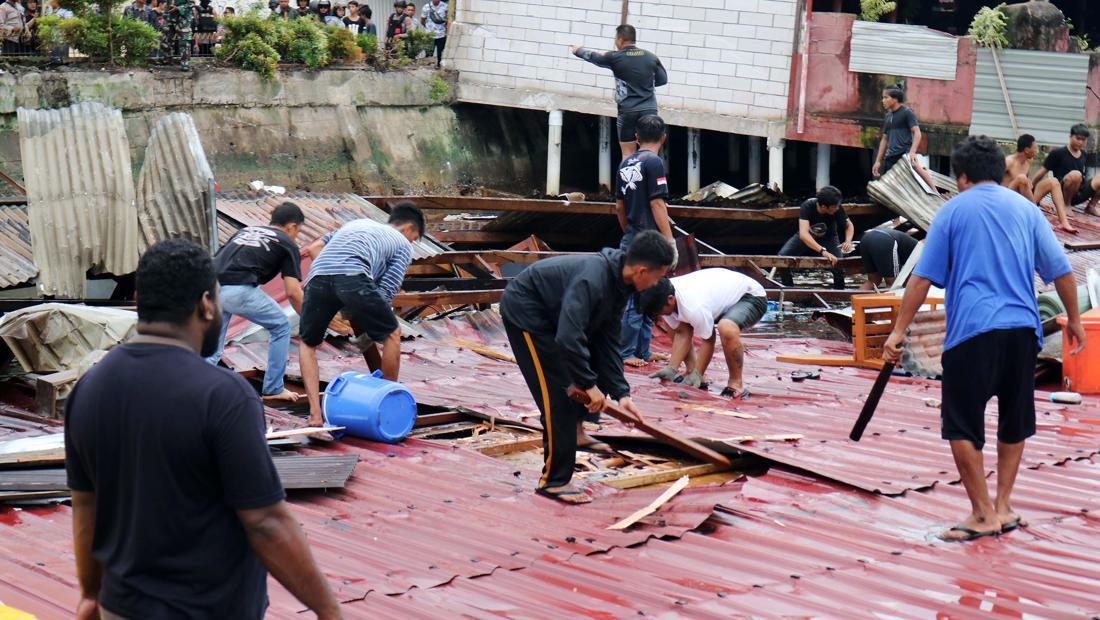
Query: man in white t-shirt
{"points": [[710, 303]]}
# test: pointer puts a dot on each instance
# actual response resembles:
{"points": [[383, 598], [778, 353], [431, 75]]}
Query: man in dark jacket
{"points": [[637, 73], [562, 317]]}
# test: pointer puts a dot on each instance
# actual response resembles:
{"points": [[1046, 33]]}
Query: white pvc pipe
{"points": [[775, 163], [695, 147], [605, 153], [755, 157], [553, 155], [824, 158]]}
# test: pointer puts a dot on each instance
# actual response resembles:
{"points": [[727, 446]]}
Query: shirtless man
{"points": [[1018, 179]]}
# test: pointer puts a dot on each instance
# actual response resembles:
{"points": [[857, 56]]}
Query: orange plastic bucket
{"points": [[1081, 372]]}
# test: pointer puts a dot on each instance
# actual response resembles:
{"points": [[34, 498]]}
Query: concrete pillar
{"points": [[756, 149], [695, 148], [775, 162], [553, 155], [735, 152], [824, 159], [605, 153]]}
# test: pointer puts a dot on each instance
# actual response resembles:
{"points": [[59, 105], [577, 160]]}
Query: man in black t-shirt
{"points": [[819, 223], [901, 136], [640, 191], [1067, 165], [177, 506], [251, 258], [637, 73]]}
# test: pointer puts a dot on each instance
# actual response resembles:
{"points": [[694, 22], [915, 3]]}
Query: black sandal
{"points": [[558, 496]]}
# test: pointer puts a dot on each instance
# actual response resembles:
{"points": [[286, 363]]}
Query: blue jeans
{"points": [[251, 303], [637, 330]]}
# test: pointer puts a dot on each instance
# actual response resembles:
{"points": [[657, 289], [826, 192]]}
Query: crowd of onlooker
{"points": [[19, 31]]}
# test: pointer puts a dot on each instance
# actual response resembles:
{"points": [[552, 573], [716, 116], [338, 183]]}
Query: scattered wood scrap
{"points": [[638, 515], [39, 450], [748, 438]]}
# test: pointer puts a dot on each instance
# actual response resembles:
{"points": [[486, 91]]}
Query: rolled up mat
{"points": [[1050, 305]]}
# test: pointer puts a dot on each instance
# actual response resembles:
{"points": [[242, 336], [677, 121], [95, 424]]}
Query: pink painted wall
{"points": [[844, 109]]}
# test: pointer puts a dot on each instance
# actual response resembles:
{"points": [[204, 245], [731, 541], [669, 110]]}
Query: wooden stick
{"points": [[653, 506]]}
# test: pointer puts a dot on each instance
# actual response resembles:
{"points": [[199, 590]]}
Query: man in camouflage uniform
{"points": [[175, 36]]}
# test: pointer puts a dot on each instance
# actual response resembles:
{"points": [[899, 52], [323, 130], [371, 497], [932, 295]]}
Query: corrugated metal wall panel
{"points": [[80, 195], [16, 261], [173, 186], [1039, 86], [897, 49]]}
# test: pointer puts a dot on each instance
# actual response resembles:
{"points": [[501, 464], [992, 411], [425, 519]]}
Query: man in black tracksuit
{"points": [[637, 73], [562, 317]]}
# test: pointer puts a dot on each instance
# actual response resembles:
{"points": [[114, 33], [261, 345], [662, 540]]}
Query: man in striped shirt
{"points": [[358, 270]]}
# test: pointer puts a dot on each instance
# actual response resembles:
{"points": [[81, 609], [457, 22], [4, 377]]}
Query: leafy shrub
{"points": [[132, 40], [874, 10], [438, 90], [50, 35], [308, 44], [420, 41], [252, 53], [989, 27], [342, 45], [368, 44]]}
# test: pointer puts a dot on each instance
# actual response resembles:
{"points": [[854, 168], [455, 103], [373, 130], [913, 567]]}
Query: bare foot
{"points": [[1091, 210], [660, 357], [315, 420], [1010, 520], [635, 362], [1066, 226], [284, 396], [973, 527]]}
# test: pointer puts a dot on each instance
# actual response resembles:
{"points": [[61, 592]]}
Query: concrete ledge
{"points": [[533, 100]]}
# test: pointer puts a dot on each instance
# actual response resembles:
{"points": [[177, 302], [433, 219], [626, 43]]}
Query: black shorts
{"points": [[880, 253], [999, 363], [1084, 193], [357, 296], [627, 124], [889, 162]]}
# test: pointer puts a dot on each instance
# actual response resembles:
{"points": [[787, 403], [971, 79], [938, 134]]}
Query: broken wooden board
{"points": [[647, 477], [39, 450], [298, 432], [653, 506]]}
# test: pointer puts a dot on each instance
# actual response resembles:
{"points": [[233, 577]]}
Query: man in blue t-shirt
{"points": [[983, 248], [640, 192]]}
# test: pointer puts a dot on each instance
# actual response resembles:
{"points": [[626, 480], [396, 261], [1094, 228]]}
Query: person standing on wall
{"points": [[984, 248], [175, 35], [637, 73], [177, 506], [640, 191], [252, 257], [433, 17], [562, 318], [358, 270], [819, 222], [395, 24], [901, 136]]}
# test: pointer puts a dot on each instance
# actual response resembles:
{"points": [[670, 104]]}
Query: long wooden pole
{"points": [[625, 12]]}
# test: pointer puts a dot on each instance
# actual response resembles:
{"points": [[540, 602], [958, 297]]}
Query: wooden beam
{"points": [[1077, 246], [528, 205], [733, 261], [447, 298], [46, 390]]}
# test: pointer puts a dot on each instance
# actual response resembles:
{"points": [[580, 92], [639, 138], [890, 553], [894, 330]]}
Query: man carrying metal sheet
{"points": [[357, 270], [984, 248], [709, 304], [252, 257], [562, 316], [178, 511]]}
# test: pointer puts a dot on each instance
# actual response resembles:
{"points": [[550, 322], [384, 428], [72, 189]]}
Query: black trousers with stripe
{"points": [[548, 380]]}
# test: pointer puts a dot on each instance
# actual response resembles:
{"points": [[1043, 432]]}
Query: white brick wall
{"points": [[724, 57]]}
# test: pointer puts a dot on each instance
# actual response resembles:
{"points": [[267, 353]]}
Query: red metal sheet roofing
{"points": [[903, 439]]}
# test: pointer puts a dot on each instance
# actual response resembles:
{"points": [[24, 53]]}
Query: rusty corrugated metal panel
{"points": [[80, 195], [899, 191], [324, 213], [173, 188], [1030, 77], [900, 49], [16, 257], [924, 350]]}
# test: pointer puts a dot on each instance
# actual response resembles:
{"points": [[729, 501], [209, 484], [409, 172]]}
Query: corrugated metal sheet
{"points": [[324, 213], [173, 188], [16, 257], [924, 350], [898, 49], [1036, 81], [900, 192], [80, 195], [52, 337]]}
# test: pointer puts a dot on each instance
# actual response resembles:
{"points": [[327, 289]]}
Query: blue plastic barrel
{"points": [[370, 406]]}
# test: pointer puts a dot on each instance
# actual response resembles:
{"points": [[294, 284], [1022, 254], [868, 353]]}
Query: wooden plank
{"points": [[818, 360], [732, 261], [46, 389], [435, 419], [509, 447], [1076, 246], [298, 432], [647, 478], [447, 298], [641, 513]]}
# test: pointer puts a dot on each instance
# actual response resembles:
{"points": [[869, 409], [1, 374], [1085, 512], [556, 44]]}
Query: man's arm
{"points": [[1066, 286], [394, 276], [660, 76], [916, 291], [88, 571], [293, 288], [849, 235], [572, 338], [880, 155], [278, 540], [314, 249], [915, 130], [660, 216], [806, 237], [620, 212], [1039, 175], [600, 59]]}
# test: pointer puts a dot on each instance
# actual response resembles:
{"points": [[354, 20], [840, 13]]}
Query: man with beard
{"points": [[177, 507]]}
